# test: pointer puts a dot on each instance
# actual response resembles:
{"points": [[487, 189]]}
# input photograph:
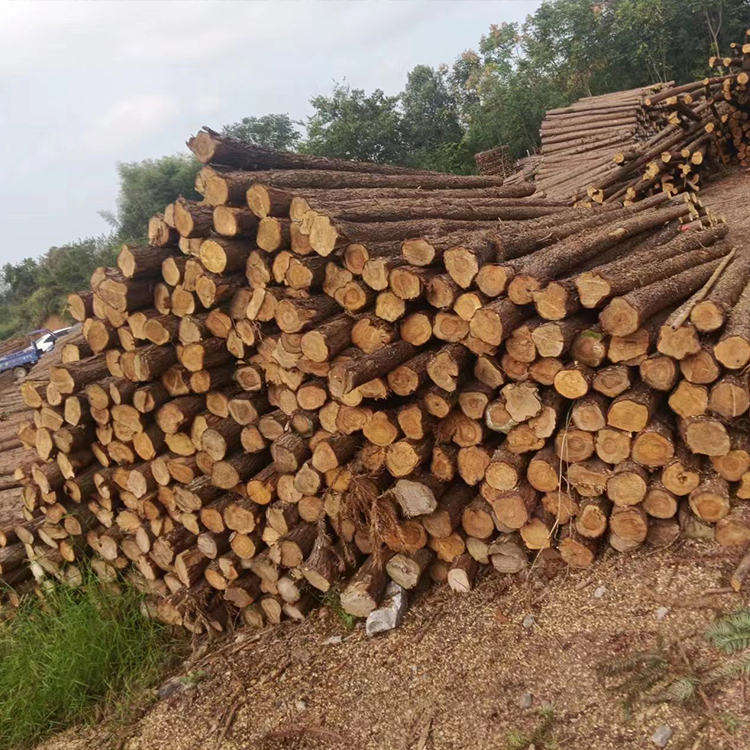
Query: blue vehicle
{"points": [[22, 361]]}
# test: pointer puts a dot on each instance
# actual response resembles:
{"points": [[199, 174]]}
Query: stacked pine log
{"points": [[17, 456], [579, 140], [496, 161], [525, 170], [14, 458], [328, 374], [705, 128]]}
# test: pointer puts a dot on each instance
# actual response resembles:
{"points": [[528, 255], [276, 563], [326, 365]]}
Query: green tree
{"points": [[147, 186], [349, 124], [271, 131], [20, 279], [430, 122], [32, 290]]}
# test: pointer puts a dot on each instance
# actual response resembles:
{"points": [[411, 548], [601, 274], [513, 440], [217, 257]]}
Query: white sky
{"points": [[85, 84]]}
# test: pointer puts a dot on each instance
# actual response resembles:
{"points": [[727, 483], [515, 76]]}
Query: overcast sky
{"points": [[86, 84]]}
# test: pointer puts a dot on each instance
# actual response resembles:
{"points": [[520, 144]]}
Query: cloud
{"points": [[87, 84], [129, 121], [207, 104]]}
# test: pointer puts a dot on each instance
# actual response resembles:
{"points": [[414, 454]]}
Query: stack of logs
{"points": [[327, 374], [15, 460], [694, 128], [496, 161], [526, 169], [577, 141]]}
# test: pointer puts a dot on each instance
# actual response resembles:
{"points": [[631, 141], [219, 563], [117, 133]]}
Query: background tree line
{"points": [[496, 94]]}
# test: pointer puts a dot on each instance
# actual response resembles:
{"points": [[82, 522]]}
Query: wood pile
{"points": [[496, 161], [691, 130], [328, 374], [16, 458], [578, 142], [526, 169]]}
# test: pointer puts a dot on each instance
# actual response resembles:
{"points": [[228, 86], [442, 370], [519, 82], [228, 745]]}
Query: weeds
{"points": [[332, 600], [731, 633], [541, 738], [76, 654], [650, 675]]}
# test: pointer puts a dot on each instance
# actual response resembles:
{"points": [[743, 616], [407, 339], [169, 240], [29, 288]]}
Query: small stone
{"points": [[661, 613], [300, 705], [175, 686], [528, 621], [390, 613], [525, 701], [600, 591], [334, 640], [662, 735]]}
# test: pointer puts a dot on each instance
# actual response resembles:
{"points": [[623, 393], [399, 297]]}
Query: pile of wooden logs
{"points": [[16, 459], [579, 141], [327, 374], [526, 169], [691, 129], [496, 161]]}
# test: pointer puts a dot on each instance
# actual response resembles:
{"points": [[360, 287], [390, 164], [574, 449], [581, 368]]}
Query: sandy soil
{"points": [[454, 676]]}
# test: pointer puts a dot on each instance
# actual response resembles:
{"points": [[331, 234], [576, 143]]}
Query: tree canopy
{"points": [[271, 131], [147, 186]]}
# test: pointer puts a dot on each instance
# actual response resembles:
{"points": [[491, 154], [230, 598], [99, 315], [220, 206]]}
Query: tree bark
{"points": [[624, 315]]}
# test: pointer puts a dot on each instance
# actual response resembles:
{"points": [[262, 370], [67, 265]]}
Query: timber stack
{"points": [[526, 169], [578, 142], [16, 458], [328, 373], [496, 161], [693, 129]]}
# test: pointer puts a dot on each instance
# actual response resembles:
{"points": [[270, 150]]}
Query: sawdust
{"points": [[467, 673], [726, 195]]}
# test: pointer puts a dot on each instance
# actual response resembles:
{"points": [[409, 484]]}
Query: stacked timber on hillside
{"points": [[337, 373], [526, 169], [17, 455], [496, 161], [663, 140]]}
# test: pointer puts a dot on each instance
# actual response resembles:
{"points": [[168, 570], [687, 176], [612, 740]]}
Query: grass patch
{"points": [[78, 654], [332, 600], [667, 674]]}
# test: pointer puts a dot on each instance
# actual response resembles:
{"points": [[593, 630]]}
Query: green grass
{"points": [[332, 600], [79, 654]]}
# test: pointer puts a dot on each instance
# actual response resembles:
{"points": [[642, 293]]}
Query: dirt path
{"points": [[467, 672]]}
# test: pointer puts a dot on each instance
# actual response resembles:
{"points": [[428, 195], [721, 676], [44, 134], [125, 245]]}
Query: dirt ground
{"points": [[471, 672], [454, 675], [727, 196]]}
